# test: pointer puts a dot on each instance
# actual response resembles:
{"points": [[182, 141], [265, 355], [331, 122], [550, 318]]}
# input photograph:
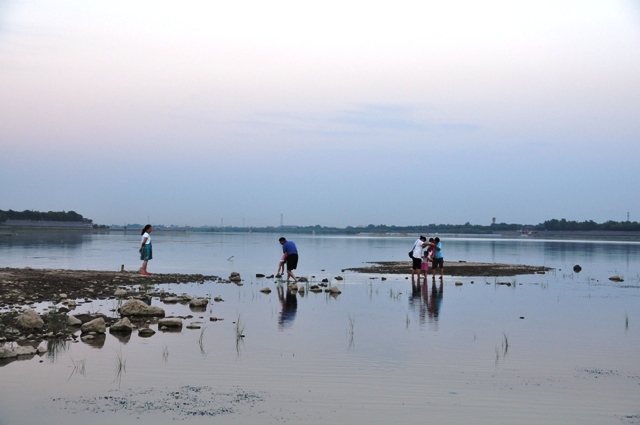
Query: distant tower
{"points": [[493, 221]]}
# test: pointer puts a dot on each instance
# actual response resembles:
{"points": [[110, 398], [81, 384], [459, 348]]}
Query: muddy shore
{"points": [[21, 287], [460, 268]]}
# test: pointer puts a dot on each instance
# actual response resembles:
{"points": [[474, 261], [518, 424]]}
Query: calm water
{"points": [[559, 348]]}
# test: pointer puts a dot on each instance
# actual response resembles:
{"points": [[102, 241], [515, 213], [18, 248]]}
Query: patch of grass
{"points": [[239, 328], [56, 321], [165, 353], [350, 329], [626, 320], [79, 367], [120, 367], [201, 340]]}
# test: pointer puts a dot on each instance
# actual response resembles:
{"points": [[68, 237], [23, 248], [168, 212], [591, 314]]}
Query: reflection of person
{"points": [[418, 246], [281, 266], [146, 252], [290, 256], [289, 303], [438, 258], [435, 301]]}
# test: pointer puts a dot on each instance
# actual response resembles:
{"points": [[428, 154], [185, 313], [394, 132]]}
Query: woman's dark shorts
{"points": [[292, 261], [417, 263]]}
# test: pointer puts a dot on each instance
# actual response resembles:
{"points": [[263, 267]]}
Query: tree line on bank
{"points": [[467, 228], [40, 216]]}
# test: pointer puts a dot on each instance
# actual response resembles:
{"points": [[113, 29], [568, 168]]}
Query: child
{"points": [[427, 255]]}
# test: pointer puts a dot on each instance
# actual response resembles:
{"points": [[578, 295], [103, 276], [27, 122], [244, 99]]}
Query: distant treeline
{"points": [[467, 228], [40, 216]]}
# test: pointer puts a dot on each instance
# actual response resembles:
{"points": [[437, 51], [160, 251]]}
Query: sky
{"points": [[333, 113]]}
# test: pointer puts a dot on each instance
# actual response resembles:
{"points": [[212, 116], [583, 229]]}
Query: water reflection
{"points": [[426, 299], [289, 306]]}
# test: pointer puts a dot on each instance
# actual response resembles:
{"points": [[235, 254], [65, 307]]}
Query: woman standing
{"points": [[145, 250]]}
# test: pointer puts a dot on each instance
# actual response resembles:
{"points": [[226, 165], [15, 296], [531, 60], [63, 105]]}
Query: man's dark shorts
{"points": [[417, 263], [292, 261], [437, 262]]}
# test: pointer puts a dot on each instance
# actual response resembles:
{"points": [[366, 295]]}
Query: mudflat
{"points": [[459, 268]]}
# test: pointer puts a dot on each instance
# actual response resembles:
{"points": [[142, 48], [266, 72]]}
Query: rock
{"points": [[338, 278], [74, 321], [96, 325], [120, 293], [218, 299], [458, 284], [198, 302], [303, 279], [235, 277], [140, 308], [30, 320], [170, 322], [259, 275], [146, 332], [193, 326], [8, 353], [325, 280], [577, 268], [266, 290], [616, 279], [122, 326], [334, 290]]}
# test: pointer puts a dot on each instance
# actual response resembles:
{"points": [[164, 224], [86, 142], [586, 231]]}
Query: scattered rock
{"points": [[266, 290], [96, 325], [170, 322], [140, 308], [30, 320], [146, 332], [577, 268], [122, 326], [198, 302]]}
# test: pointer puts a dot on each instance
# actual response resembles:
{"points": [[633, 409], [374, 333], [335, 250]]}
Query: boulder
{"points": [[146, 332], [266, 290], [122, 326], [170, 322], [120, 293], [74, 321], [235, 277], [616, 279], [96, 325], [198, 302], [30, 320], [140, 308], [335, 290]]}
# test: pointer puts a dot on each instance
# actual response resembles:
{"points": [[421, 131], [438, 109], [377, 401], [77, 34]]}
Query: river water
{"points": [[556, 348]]}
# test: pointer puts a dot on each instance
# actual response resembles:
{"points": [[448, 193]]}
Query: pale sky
{"points": [[338, 113]]}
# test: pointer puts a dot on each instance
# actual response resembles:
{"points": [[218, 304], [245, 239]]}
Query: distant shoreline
{"points": [[595, 235]]}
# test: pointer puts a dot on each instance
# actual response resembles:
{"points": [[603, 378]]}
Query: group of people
{"points": [[424, 252]]}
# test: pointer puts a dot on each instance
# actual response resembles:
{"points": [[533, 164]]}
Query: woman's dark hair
{"points": [[147, 227]]}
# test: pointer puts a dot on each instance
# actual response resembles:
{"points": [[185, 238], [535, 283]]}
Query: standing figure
{"points": [[146, 252], [438, 258], [290, 257], [416, 267]]}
